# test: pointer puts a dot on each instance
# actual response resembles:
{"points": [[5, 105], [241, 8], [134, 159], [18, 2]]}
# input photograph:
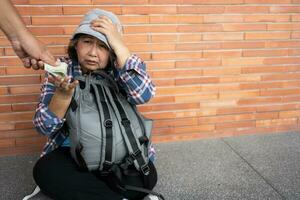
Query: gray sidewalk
{"points": [[243, 167]]}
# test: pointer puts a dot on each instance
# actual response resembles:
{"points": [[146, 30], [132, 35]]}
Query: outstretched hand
{"points": [[32, 52], [63, 85]]}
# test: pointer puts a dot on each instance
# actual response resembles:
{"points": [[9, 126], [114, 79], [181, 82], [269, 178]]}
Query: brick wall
{"points": [[221, 67]]}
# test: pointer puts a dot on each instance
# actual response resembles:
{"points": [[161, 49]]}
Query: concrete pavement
{"points": [[243, 167]]}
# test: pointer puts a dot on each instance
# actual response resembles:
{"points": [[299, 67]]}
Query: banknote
{"points": [[60, 70]]}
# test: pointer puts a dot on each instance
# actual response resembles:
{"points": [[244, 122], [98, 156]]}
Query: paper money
{"points": [[60, 70]]}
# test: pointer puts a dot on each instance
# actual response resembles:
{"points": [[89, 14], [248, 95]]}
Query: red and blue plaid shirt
{"points": [[133, 79]]}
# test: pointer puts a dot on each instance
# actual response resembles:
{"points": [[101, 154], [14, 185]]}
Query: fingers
{"points": [[26, 62], [47, 57], [103, 25], [64, 84]]}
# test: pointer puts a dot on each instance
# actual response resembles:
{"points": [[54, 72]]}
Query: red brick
{"points": [[178, 90], [198, 46], [276, 122], [221, 53], [226, 118], [200, 80], [171, 19], [46, 30], [200, 63], [189, 37], [279, 92], [125, 2], [195, 2], [28, 89], [164, 38], [149, 9], [19, 98], [274, 77], [134, 19], [295, 18], [24, 107], [220, 87], [242, 61], [176, 55], [164, 82], [242, 45], [176, 73], [82, 9], [197, 129], [289, 114], [281, 44], [24, 125], [235, 110], [199, 28], [284, 9], [5, 143], [150, 29], [277, 107], [175, 122], [221, 71], [235, 125], [3, 90], [257, 101], [265, 53], [290, 60], [200, 9], [135, 38], [163, 99], [244, 27], [223, 36], [47, 2], [247, 9], [56, 20], [19, 80], [267, 1], [283, 27], [161, 65], [267, 18], [239, 94], [17, 2], [39, 10], [222, 18], [169, 107], [267, 35], [5, 108], [7, 117], [32, 141], [241, 78], [151, 47], [20, 70], [7, 126]]}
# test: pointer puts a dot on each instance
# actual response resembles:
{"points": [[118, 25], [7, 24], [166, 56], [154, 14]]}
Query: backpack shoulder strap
{"points": [[131, 141]]}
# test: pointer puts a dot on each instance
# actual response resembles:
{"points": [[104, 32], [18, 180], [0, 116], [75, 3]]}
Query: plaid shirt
{"points": [[133, 78]]}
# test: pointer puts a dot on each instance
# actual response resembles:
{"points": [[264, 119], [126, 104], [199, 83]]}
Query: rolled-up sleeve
{"points": [[45, 121], [135, 80]]}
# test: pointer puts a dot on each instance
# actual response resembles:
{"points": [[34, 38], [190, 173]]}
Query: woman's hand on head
{"points": [[105, 26]]}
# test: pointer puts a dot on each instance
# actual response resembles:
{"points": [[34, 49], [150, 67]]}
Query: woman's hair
{"points": [[73, 54]]}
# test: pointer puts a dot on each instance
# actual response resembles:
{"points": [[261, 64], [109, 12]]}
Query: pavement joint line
{"points": [[257, 172]]}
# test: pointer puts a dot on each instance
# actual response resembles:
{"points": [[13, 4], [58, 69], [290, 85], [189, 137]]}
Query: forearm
{"points": [[122, 53], [10, 21], [59, 104]]}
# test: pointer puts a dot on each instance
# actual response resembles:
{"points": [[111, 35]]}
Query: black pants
{"points": [[58, 176]]}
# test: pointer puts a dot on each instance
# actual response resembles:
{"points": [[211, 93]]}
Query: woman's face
{"points": [[92, 53]]}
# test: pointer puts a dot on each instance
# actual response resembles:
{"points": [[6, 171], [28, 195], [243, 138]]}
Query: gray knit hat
{"points": [[84, 26]]}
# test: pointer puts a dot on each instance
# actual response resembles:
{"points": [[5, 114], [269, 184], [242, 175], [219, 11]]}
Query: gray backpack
{"points": [[105, 129]]}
